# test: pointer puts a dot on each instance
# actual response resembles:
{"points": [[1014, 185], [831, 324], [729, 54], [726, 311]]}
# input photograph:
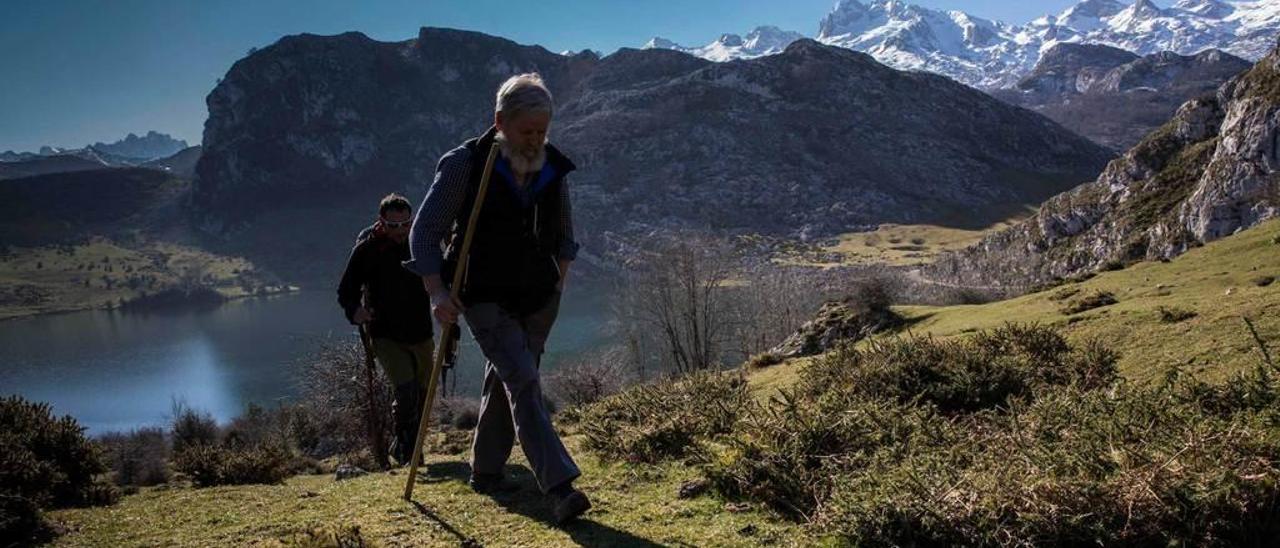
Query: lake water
{"points": [[117, 371]]}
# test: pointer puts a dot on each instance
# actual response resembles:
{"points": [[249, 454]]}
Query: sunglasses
{"points": [[396, 224]]}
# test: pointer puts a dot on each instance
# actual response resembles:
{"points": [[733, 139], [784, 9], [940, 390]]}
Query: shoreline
{"points": [[14, 315]]}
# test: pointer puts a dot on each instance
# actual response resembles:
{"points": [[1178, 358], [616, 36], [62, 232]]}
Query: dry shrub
{"points": [[45, 462], [48, 460], [916, 442], [763, 360], [137, 458], [588, 378], [1097, 299], [979, 372], [190, 427], [212, 464], [347, 536], [664, 419], [337, 404], [458, 412], [1174, 314]]}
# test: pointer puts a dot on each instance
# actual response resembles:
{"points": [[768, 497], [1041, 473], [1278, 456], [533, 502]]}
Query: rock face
{"points": [[1115, 97], [808, 142], [1210, 171]]}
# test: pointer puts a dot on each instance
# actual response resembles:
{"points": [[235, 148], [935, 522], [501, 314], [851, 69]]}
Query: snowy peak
{"points": [[1209, 9], [765, 40], [658, 42], [1096, 9], [730, 41], [991, 54], [1088, 15]]}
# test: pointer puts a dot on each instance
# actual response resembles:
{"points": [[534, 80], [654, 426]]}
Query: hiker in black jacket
{"points": [[516, 270], [389, 301]]}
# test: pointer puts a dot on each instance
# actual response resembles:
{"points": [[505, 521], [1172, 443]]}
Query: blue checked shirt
{"points": [[442, 205]]}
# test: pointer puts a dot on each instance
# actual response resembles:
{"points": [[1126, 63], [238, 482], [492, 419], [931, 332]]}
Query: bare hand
{"points": [[445, 307], [362, 316]]}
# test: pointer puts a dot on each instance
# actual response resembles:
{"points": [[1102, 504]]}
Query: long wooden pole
{"points": [[447, 329]]}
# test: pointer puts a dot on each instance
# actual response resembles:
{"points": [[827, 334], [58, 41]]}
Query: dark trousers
{"points": [[511, 405]]}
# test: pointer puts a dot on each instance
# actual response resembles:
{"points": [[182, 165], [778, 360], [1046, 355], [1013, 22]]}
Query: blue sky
{"points": [[81, 72]]}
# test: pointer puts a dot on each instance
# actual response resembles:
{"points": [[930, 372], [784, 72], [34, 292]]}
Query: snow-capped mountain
{"points": [[993, 54], [969, 49], [765, 40]]}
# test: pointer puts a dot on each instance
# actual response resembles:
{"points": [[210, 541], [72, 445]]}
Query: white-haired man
{"points": [[519, 260]]}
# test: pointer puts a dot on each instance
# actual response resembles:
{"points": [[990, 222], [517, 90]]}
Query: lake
{"points": [[117, 371]]}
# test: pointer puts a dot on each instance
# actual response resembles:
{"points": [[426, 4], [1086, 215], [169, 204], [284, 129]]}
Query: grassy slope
{"points": [[634, 506], [901, 245], [1214, 281], [637, 506]]}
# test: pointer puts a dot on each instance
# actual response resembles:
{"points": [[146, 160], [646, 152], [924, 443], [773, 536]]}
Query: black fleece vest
{"points": [[513, 253]]}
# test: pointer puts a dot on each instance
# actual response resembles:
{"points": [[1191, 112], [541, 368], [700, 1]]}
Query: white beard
{"points": [[520, 162]]}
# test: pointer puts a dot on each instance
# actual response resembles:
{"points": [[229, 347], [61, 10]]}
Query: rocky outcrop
{"points": [[808, 142], [1209, 172], [836, 322], [1115, 97]]}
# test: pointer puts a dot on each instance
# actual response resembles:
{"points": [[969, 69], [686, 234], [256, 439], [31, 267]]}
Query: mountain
{"points": [[992, 54], [978, 52], [1115, 97], [810, 142], [129, 151], [765, 40], [1211, 171], [148, 147]]}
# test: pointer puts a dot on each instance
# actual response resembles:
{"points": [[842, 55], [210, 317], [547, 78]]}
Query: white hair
{"points": [[523, 93]]}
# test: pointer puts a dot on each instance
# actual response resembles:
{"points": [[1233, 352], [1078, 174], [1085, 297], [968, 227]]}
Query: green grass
{"points": [[904, 245], [1215, 282], [633, 506], [97, 274]]}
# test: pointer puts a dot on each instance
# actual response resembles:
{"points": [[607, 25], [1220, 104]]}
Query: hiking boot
{"points": [[406, 413], [570, 506], [488, 484]]}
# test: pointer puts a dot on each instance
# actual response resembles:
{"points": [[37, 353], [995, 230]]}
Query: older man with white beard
{"points": [[519, 260]]}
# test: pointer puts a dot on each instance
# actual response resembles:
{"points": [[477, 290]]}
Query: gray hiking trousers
{"points": [[511, 405]]}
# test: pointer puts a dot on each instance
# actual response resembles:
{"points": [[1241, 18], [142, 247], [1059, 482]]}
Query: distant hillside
{"points": [[182, 163], [816, 140], [1115, 97], [1209, 172], [70, 207], [41, 165]]}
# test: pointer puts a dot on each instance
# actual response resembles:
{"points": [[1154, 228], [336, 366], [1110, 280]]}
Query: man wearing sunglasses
{"points": [[377, 293]]}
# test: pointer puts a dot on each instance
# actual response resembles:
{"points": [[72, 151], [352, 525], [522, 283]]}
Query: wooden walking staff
{"points": [[443, 348]]}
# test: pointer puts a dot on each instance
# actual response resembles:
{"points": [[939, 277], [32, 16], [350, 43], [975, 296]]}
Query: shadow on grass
{"points": [[529, 502]]}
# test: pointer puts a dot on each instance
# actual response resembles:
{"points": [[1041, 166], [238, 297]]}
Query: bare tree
{"points": [[770, 303], [674, 292]]}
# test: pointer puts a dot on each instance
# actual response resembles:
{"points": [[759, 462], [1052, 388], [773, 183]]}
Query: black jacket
{"points": [[513, 254], [400, 305]]}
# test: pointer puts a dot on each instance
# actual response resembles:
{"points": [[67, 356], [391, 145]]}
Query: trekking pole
{"points": [[447, 329], [379, 448]]}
